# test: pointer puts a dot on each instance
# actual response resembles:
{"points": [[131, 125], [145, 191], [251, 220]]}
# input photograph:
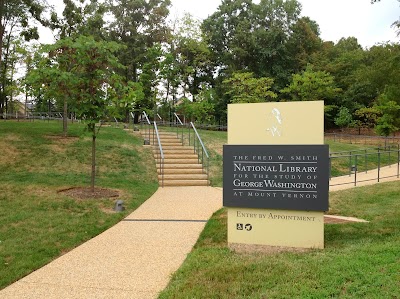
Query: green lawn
{"points": [[37, 223], [360, 260]]}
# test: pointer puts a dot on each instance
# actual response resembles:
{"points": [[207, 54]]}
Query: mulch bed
{"points": [[86, 193]]}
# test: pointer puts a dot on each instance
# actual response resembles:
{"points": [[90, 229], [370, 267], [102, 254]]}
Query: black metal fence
{"points": [[370, 164]]}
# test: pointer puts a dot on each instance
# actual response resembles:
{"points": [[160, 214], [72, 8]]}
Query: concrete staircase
{"points": [[181, 164]]}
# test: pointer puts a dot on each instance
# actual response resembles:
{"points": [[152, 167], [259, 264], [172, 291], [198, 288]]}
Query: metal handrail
{"points": [[177, 117], [204, 150], [177, 127], [146, 117], [148, 123], [161, 155]]}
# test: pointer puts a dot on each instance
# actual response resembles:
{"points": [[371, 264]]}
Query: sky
{"points": [[369, 23]]}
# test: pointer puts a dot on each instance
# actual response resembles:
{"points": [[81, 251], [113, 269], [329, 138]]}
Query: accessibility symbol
{"points": [[248, 227], [239, 226]]}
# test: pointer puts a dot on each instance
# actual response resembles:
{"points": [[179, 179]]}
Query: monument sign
{"points": [[276, 174]]}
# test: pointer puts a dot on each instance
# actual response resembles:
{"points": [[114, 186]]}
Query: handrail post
{"points": [[148, 124], [204, 151], [161, 154], [177, 128]]}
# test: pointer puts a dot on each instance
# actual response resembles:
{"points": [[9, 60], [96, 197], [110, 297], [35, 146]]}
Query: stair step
{"points": [[170, 139], [164, 133], [179, 156], [181, 166], [166, 144], [178, 183], [173, 147], [185, 177], [181, 171], [181, 161], [174, 151]]}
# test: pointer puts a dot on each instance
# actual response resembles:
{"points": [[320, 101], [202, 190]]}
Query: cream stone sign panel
{"points": [[276, 123], [276, 174]]}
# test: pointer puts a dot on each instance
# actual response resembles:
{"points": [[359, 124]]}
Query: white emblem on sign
{"points": [[274, 122]]}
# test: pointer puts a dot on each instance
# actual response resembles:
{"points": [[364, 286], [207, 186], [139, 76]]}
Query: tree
{"points": [[80, 17], [90, 79], [244, 88], [192, 56], [389, 121], [138, 25], [303, 43], [366, 117], [253, 37], [312, 85], [344, 118], [17, 19]]}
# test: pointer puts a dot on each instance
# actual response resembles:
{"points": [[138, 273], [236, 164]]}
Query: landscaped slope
{"points": [[37, 221]]}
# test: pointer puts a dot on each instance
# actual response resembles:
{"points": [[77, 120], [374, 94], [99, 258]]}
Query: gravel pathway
{"points": [[133, 259]]}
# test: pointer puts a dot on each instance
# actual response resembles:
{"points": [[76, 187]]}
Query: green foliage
{"points": [[82, 69], [137, 25], [200, 111], [367, 117], [81, 18], [312, 85], [244, 36], [125, 97], [303, 43], [191, 54], [343, 118], [388, 122], [244, 88]]}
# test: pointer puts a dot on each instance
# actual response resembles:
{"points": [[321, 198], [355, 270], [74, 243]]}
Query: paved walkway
{"points": [[386, 174], [136, 257]]}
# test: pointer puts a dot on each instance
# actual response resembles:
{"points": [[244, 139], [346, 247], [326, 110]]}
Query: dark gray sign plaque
{"points": [[284, 177]]}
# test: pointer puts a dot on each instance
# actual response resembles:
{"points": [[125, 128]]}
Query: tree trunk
{"points": [[93, 161], [65, 118]]}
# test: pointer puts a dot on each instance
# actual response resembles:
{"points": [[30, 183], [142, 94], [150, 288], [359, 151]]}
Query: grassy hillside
{"points": [[37, 221]]}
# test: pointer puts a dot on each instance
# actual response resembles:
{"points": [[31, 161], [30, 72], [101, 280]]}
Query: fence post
{"points": [[366, 162], [355, 170], [398, 159], [379, 164], [350, 163]]}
